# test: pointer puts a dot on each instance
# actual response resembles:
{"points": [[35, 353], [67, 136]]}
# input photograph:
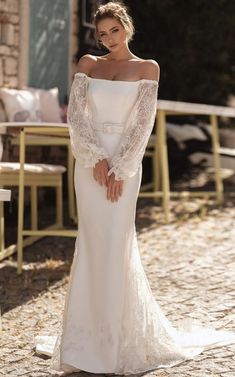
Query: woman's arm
{"points": [[127, 160], [85, 145], [150, 70]]}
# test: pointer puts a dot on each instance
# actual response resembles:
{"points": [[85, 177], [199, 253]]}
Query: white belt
{"points": [[108, 127]]}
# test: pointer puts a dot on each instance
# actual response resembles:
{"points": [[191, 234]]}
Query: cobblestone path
{"points": [[190, 264]]}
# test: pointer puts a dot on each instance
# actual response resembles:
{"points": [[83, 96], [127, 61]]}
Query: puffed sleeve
{"points": [[85, 145], [125, 163]]}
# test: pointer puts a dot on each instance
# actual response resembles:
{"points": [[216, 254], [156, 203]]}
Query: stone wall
{"points": [[74, 36], [9, 43], [12, 41]]}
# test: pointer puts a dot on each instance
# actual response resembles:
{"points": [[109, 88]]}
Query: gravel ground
{"points": [[190, 264]]}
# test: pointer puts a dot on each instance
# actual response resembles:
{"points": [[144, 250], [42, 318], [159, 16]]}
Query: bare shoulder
{"points": [[150, 70], [86, 63]]}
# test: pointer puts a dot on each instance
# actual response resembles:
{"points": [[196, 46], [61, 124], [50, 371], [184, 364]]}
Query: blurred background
{"points": [[193, 42]]}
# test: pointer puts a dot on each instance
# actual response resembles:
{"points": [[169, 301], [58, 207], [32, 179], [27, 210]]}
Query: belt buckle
{"points": [[107, 127]]}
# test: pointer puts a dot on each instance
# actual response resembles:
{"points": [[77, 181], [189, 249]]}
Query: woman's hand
{"points": [[114, 189], [100, 172]]}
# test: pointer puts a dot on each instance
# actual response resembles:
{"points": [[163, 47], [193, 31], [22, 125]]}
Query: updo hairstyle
{"points": [[115, 9]]}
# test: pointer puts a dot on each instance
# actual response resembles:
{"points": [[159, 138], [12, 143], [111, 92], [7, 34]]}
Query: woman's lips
{"points": [[113, 45]]}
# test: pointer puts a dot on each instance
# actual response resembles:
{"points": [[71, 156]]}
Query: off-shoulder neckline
{"points": [[120, 81]]}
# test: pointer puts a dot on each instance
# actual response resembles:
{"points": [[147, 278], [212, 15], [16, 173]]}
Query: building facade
{"points": [[38, 40]]}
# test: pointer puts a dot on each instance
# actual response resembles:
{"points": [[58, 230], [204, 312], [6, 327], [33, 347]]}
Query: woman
{"points": [[111, 323]]}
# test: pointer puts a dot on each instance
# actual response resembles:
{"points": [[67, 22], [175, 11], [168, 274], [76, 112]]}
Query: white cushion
{"points": [[49, 104], [21, 105], [5, 195], [11, 167], [185, 132]]}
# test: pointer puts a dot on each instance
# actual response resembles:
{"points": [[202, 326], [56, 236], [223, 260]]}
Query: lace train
{"points": [[147, 339]]}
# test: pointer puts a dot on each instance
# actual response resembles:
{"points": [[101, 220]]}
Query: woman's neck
{"points": [[122, 54]]}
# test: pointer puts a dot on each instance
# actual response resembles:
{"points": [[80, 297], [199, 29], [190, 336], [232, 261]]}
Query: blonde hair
{"points": [[115, 9]]}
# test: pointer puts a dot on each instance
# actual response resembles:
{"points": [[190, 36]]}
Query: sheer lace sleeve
{"points": [[127, 160], [85, 146]]}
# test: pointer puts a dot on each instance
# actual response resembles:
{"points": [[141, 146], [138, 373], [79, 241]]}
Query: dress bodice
{"points": [[111, 101], [111, 120]]}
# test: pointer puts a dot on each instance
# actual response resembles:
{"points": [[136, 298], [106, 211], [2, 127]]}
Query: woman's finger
{"points": [[120, 189], [111, 190], [104, 178], [108, 190], [101, 180], [116, 192]]}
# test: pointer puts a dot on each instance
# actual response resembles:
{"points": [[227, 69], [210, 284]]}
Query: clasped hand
{"points": [[114, 187]]}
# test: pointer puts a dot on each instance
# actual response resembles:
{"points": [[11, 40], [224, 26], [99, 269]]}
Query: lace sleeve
{"points": [[127, 160], [85, 146]]}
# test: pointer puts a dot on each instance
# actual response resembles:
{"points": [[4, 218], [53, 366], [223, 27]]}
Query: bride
{"points": [[111, 321]]}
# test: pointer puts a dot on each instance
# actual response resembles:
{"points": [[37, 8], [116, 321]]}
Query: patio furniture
{"points": [[34, 175], [5, 195], [38, 106], [58, 141], [157, 150]]}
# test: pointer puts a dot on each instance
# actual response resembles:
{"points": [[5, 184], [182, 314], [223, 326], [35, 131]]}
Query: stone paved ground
{"points": [[190, 264]]}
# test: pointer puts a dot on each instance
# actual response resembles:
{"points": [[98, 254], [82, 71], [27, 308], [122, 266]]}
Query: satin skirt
{"points": [[111, 320]]}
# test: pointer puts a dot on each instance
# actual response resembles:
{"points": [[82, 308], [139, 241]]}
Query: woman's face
{"points": [[111, 33]]}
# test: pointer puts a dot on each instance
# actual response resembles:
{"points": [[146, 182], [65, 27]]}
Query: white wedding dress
{"points": [[111, 321]]}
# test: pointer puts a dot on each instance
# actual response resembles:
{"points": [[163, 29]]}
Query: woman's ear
{"points": [[99, 43]]}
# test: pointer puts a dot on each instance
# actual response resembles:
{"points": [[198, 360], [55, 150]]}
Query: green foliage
{"points": [[193, 41]]}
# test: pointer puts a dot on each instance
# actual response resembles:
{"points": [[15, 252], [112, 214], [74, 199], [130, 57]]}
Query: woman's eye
{"points": [[115, 30]]}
